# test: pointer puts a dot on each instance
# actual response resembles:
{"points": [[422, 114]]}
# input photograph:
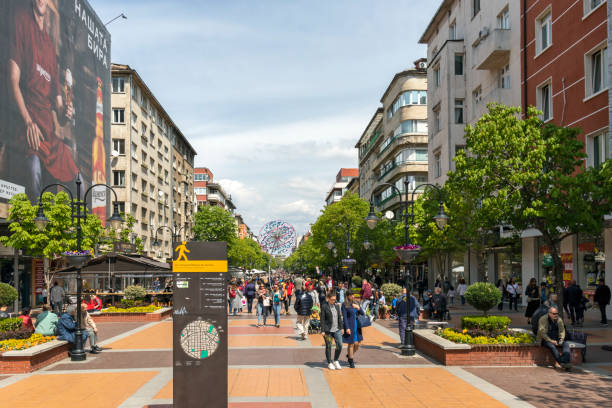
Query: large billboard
{"points": [[54, 97]]}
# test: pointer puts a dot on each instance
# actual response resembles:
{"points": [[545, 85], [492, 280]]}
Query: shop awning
{"points": [[120, 265]]}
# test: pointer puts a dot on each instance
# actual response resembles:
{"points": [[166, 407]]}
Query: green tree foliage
{"points": [[305, 259], [391, 290], [483, 296], [248, 254], [8, 294], [214, 223], [523, 173], [134, 292]]}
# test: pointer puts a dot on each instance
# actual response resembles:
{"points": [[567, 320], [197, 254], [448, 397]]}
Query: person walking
{"points": [[408, 310], [303, 306], [331, 327], [602, 298], [57, 298], [340, 293], [261, 293], [289, 292], [574, 300], [513, 292], [366, 294], [236, 299], [276, 304], [533, 299], [250, 291], [461, 288], [352, 328]]}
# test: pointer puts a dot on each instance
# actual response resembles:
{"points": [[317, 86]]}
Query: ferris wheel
{"points": [[277, 237]]}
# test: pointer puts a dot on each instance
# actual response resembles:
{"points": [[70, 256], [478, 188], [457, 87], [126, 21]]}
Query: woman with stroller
{"points": [[331, 327], [352, 328]]}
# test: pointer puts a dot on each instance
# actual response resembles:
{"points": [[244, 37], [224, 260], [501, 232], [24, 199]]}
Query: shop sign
{"points": [[586, 247], [38, 271], [568, 268]]}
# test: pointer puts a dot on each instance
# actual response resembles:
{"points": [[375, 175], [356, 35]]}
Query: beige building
{"points": [[473, 56], [393, 146], [151, 163]]}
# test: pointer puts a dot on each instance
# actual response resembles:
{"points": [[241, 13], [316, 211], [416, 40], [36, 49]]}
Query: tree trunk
{"points": [[557, 273], [48, 278]]}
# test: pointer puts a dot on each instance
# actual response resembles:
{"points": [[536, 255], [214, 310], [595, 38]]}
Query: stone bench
{"points": [[155, 316], [33, 358]]}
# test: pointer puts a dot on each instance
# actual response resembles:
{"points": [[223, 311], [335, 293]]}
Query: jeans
{"points": [[602, 309], [462, 300], [260, 312], [277, 310], [249, 304], [513, 298], [576, 313], [559, 358], [302, 324], [337, 336], [365, 305], [452, 299], [403, 321], [375, 312]]}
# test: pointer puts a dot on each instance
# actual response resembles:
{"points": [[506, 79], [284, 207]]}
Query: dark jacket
{"points": [[66, 327], [602, 294], [408, 307], [574, 295], [303, 303], [326, 317], [250, 290], [348, 316]]}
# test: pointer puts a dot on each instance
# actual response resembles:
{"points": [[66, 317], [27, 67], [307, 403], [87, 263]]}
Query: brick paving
{"points": [[270, 367]]}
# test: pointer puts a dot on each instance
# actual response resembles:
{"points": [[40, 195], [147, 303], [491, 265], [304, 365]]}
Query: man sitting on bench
{"points": [[551, 333]]}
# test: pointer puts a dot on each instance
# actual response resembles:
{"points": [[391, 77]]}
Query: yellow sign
{"points": [[181, 250], [199, 266]]}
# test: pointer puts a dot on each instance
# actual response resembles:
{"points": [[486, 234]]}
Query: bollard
{"points": [[408, 346]]}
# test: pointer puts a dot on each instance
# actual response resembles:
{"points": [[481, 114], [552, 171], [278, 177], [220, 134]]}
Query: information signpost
{"points": [[200, 324]]}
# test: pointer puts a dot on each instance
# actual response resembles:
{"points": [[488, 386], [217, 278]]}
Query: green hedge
{"points": [[390, 290], [483, 296], [488, 323], [11, 324]]}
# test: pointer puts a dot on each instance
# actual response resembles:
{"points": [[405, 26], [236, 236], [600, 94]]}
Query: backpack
{"points": [[535, 319]]}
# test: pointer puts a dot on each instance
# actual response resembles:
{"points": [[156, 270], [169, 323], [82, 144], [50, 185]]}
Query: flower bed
{"points": [[478, 337], [22, 344], [133, 314], [138, 309]]}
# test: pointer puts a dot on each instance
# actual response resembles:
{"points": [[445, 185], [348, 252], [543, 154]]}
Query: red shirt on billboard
{"points": [[38, 91]]}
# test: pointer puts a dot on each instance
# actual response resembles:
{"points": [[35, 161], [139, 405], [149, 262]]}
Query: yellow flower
{"points": [[464, 331]]}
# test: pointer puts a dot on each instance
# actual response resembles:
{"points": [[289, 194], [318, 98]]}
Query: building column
{"points": [[529, 262], [472, 267]]}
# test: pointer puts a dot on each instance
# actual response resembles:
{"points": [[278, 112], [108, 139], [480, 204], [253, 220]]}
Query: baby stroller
{"points": [[315, 321]]}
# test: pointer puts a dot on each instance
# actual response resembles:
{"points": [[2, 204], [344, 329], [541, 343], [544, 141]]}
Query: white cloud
{"points": [[240, 192]]}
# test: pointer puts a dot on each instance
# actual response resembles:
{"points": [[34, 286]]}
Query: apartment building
{"points": [[338, 189], [207, 192], [393, 146], [146, 145], [566, 76], [183, 198], [473, 54]]}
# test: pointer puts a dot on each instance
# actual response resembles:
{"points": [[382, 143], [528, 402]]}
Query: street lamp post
{"points": [[175, 232], [348, 244], [408, 251], [80, 207]]}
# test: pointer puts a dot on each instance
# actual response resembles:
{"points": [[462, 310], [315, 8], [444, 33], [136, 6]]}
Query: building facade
{"points": [[147, 151], [207, 192], [565, 75], [338, 189], [473, 53]]}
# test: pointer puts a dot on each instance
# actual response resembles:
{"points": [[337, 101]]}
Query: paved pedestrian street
{"points": [[269, 367]]}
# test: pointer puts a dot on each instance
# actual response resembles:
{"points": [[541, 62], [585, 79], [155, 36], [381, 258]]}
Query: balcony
{"points": [[493, 48], [500, 95]]}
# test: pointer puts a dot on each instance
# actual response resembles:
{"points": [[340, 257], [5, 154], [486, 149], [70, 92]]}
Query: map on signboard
{"points": [[199, 339]]}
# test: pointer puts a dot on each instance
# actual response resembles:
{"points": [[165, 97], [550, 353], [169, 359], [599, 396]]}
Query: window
{"points": [[121, 205], [475, 7], [596, 71], [503, 19], [200, 177], [143, 129], [452, 31], [134, 120], [544, 32], [416, 181], [407, 98], [437, 165], [119, 178], [504, 77], [119, 146], [476, 96], [458, 64], [152, 138], [118, 115], [544, 99], [459, 111], [437, 76], [410, 155], [590, 5], [118, 85], [411, 126], [134, 151], [437, 124], [599, 149]]}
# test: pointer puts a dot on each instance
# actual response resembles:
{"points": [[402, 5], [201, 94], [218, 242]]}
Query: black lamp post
{"points": [[176, 233], [348, 244], [80, 207], [408, 251]]}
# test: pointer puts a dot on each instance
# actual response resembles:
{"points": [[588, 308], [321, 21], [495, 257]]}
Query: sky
{"points": [[272, 94]]}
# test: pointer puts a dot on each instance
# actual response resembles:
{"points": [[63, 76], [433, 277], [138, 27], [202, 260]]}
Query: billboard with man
{"points": [[54, 96]]}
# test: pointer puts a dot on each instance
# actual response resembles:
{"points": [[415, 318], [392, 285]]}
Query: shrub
{"points": [[483, 296], [11, 324], [134, 292], [8, 294], [127, 302], [357, 280], [390, 290], [489, 323]]}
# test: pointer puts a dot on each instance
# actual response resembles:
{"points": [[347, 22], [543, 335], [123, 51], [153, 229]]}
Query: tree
{"points": [[247, 253], [59, 235], [214, 223], [526, 174], [124, 234], [483, 296]]}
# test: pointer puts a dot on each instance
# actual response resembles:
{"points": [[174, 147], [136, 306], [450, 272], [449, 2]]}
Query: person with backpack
{"points": [[303, 306]]}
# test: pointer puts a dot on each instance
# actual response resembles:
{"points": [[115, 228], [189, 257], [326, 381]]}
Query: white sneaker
{"points": [[337, 365], [331, 366]]}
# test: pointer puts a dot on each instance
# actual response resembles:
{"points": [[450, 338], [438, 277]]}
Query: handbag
{"points": [[364, 321], [244, 302]]}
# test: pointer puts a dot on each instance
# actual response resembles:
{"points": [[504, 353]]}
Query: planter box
{"points": [[449, 353], [156, 316], [34, 358]]}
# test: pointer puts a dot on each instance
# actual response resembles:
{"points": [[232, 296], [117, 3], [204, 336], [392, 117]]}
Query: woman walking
{"points": [[263, 304], [533, 299], [235, 299], [276, 305], [331, 327], [461, 288], [352, 328]]}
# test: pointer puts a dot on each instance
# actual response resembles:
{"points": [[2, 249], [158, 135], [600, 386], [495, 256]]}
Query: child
{"points": [[451, 294], [393, 306]]}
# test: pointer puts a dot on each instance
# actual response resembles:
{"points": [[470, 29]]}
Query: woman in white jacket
{"points": [[461, 288]]}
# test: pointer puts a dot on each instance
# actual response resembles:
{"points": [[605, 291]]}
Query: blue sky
{"points": [[272, 94]]}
